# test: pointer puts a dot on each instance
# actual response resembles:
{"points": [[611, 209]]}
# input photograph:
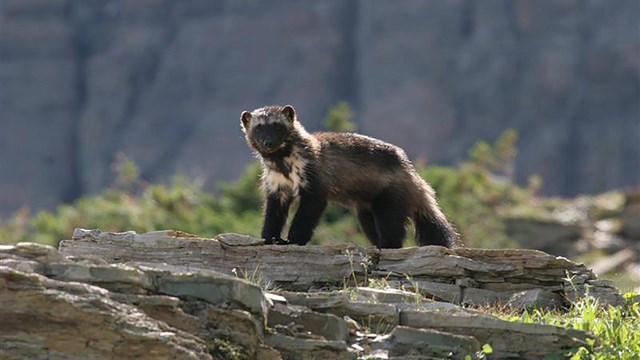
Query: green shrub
{"points": [[180, 205], [340, 118]]}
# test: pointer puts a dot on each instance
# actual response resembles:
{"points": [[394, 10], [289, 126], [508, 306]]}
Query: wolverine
{"points": [[373, 177]]}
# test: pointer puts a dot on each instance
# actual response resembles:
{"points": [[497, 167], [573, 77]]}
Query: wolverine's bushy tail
{"points": [[434, 229]]}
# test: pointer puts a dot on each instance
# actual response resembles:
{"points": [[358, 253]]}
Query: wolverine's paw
{"points": [[269, 241], [276, 240], [281, 241]]}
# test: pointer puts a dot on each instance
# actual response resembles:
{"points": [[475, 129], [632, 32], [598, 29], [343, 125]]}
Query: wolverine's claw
{"points": [[280, 241]]}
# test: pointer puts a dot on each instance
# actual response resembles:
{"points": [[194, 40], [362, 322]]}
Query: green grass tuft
{"points": [[616, 330]]}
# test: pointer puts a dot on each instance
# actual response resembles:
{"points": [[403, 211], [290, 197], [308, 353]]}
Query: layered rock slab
{"points": [[210, 314], [464, 276], [44, 318], [161, 313]]}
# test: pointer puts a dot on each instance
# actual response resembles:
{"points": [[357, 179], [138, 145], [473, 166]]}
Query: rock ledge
{"points": [[169, 294]]}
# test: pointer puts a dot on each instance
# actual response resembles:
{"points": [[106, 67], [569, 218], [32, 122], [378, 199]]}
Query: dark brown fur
{"points": [[373, 177]]}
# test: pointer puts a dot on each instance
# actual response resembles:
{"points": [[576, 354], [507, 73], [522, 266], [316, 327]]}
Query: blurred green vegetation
{"points": [[339, 118], [471, 195]]}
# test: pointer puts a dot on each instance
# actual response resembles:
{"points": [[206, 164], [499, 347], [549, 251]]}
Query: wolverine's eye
{"points": [[258, 129]]}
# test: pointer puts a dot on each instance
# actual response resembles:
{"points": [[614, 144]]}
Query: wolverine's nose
{"points": [[267, 143]]}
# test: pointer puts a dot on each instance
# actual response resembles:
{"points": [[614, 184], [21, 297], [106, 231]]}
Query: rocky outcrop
{"points": [[462, 276], [55, 307], [165, 81], [123, 299], [44, 319]]}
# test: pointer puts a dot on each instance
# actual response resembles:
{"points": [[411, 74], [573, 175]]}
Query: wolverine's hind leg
{"points": [[368, 225], [390, 214]]}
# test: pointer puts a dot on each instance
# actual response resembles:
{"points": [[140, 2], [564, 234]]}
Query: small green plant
{"points": [[367, 357], [415, 288], [353, 278], [379, 326], [379, 283], [366, 263], [346, 286], [482, 354], [255, 277]]}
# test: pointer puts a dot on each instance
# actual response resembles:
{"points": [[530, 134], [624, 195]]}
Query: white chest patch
{"points": [[288, 185]]}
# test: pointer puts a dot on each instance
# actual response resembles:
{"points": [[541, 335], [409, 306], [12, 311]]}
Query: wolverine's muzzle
{"points": [[269, 146]]}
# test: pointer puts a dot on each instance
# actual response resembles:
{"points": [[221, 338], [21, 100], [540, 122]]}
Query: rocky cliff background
{"points": [[164, 82]]}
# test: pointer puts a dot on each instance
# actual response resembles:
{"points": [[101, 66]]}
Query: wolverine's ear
{"points": [[245, 119], [289, 112]]}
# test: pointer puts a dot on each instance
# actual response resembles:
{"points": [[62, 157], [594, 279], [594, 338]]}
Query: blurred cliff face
{"points": [[164, 82]]}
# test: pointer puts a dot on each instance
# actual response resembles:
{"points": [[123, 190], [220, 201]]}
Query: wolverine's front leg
{"points": [[310, 209], [276, 210]]}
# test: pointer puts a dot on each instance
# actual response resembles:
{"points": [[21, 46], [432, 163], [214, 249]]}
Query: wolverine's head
{"points": [[267, 129]]}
